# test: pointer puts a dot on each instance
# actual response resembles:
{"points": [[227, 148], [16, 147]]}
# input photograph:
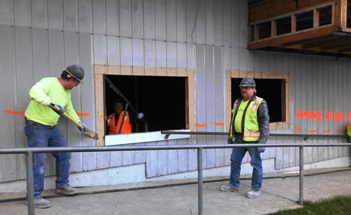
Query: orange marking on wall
{"points": [[297, 128], [312, 131], [341, 131], [83, 114], [326, 131], [219, 123], [14, 112], [200, 125]]}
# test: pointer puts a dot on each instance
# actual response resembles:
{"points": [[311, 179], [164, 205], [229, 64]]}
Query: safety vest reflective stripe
{"points": [[251, 135], [256, 103]]}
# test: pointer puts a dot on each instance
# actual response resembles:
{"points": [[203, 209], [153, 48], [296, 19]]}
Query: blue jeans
{"points": [[47, 136], [256, 162]]}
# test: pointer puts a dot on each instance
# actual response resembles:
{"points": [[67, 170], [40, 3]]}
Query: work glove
{"points": [[140, 116], [261, 149], [84, 129], [230, 140], [59, 112]]}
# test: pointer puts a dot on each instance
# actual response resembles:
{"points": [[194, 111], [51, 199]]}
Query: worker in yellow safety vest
{"points": [[249, 124], [348, 132]]}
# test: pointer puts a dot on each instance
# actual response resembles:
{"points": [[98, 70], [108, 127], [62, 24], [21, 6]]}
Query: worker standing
{"points": [[121, 121], [249, 124], [41, 119], [348, 132]]}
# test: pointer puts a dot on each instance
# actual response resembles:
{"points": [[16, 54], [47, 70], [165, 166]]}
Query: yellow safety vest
{"points": [[251, 130], [348, 130]]}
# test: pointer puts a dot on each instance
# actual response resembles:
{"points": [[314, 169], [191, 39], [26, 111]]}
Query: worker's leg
{"points": [[257, 172]]}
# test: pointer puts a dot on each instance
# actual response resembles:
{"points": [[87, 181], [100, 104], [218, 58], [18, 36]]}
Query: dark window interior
{"points": [[284, 26], [162, 100], [252, 33], [325, 16], [304, 21], [271, 90], [264, 30], [348, 21]]}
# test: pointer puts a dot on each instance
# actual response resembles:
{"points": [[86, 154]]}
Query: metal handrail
{"points": [[305, 136], [29, 155]]}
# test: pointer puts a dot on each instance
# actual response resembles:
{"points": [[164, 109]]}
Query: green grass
{"points": [[340, 205]]}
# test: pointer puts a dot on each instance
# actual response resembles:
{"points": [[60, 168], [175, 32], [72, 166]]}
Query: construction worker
{"points": [[41, 118], [249, 124], [120, 121], [348, 132]]}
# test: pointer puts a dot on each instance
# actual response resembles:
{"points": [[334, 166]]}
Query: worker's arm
{"points": [[263, 122]]}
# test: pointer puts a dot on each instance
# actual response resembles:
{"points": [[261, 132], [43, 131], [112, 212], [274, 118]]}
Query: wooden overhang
{"points": [[305, 26]]}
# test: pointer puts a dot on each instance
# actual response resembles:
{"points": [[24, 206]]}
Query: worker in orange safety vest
{"points": [[120, 122]]}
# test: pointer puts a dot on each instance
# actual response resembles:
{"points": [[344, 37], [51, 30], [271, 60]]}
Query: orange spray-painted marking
{"points": [[297, 128], [219, 123], [341, 131], [326, 131], [200, 125], [83, 114], [14, 112], [312, 131]]}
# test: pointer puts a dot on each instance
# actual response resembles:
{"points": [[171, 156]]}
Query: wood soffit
{"points": [[321, 27]]}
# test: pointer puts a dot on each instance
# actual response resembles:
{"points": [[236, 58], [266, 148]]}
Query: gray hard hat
{"points": [[248, 82], [76, 71]]}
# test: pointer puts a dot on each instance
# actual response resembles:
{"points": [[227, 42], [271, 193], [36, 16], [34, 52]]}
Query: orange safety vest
{"points": [[113, 128]]}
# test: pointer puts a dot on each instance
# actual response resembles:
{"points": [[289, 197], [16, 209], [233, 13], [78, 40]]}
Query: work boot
{"points": [[66, 190], [229, 188], [253, 194], [40, 203]]}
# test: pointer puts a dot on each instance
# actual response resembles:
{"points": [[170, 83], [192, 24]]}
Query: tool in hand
{"points": [[88, 132]]}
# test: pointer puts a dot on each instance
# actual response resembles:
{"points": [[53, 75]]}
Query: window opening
{"points": [[272, 95], [348, 20], [284, 26], [162, 100], [264, 30], [304, 21], [325, 16], [252, 33]]}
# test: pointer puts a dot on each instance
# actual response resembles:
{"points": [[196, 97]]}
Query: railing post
{"points": [[30, 184], [199, 172], [301, 176]]}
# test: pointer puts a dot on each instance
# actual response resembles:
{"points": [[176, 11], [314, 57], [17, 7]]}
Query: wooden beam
{"points": [[344, 43], [272, 8], [321, 43], [300, 35], [302, 42]]}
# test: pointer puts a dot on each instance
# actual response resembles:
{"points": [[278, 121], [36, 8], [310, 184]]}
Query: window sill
{"points": [[121, 139]]}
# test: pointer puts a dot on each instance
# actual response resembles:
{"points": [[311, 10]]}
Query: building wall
{"points": [[39, 38]]}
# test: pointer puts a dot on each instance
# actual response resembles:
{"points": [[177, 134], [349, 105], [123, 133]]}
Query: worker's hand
{"points": [[140, 115], [57, 108], [85, 128], [230, 140], [261, 149]]}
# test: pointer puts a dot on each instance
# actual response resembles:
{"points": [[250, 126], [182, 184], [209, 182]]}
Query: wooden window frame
{"points": [[101, 70], [260, 75]]}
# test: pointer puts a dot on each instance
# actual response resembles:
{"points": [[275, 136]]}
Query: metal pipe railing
{"points": [[199, 148], [305, 136]]}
